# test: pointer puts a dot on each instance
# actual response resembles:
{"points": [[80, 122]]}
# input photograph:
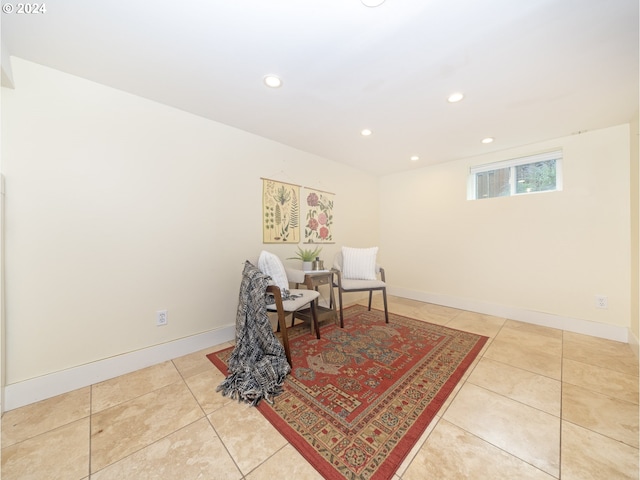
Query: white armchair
{"points": [[357, 271], [286, 301]]}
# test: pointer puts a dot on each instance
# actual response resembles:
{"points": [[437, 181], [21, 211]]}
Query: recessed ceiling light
{"points": [[487, 140], [272, 81], [366, 132], [372, 3], [415, 158], [455, 97]]}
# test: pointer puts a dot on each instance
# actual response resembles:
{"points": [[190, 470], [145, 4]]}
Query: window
{"points": [[518, 176]]}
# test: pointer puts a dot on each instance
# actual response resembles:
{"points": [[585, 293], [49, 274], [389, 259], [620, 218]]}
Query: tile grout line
{"points": [[561, 405], [500, 448], [129, 375], [449, 401], [502, 362], [206, 416], [517, 401], [224, 445], [435, 419], [564, 342], [184, 381], [155, 441], [90, 427]]}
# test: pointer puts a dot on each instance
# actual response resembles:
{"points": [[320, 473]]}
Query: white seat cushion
{"points": [[296, 303], [349, 284]]}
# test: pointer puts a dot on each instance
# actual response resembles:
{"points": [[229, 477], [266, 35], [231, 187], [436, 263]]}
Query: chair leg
{"points": [[282, 321], [314, 318], [282, 325], [386, 310], [370, 296], [340, 300], [332, 299]]}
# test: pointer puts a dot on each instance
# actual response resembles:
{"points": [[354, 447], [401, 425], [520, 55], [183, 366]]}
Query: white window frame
{"points": [[511, 164]]}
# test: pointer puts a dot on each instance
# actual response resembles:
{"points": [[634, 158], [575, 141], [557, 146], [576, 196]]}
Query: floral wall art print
{"points": [[319, 216], [280, 212]]}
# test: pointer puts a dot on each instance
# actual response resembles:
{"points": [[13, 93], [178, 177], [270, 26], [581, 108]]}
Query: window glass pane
{"points": [[536, 177], [494, 183], [533, 173]]}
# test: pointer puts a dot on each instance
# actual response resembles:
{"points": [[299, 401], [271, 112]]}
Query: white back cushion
{"points": [[359, 263], [271, 265]]}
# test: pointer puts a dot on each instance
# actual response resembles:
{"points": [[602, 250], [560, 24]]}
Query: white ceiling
{"points": [[531, 70]]}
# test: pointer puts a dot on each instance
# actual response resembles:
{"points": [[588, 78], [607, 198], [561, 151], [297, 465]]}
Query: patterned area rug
{"points": [[359, 398]]}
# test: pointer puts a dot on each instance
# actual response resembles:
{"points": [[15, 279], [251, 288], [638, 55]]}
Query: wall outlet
{"points": [[602, 301], [161, 318]]}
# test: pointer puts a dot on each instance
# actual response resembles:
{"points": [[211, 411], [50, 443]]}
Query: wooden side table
{"points": [[313, 280]]}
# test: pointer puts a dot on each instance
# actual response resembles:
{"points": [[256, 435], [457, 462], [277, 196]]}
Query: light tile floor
{"points": [[538, 403]]}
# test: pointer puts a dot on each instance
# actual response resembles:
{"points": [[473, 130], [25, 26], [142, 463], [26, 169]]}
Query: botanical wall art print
{"points": [[280, 212], [319, 216]]}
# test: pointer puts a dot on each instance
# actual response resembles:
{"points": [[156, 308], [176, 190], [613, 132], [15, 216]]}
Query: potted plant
{"points": [[307, 255]]}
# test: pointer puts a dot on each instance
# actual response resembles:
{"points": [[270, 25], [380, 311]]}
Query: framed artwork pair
{"points": [[294, 214]]}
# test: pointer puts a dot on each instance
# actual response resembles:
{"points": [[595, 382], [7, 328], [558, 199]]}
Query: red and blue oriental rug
{"points": [[359, 398]]}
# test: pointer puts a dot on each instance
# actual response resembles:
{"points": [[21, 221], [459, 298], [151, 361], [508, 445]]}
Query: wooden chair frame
{"points": [[383, 289], [282, 314]]}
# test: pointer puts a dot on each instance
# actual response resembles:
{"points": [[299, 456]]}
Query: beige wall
{"points": [[117, 207], [635, 227], [549, 252]]}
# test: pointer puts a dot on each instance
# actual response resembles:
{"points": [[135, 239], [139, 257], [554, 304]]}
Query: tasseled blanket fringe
{"points": [[238, 387]]}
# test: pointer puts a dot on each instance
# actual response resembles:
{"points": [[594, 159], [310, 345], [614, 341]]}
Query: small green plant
{"points": [[306, 254]]}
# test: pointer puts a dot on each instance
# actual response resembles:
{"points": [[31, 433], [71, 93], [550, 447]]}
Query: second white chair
{"points": [[357, 271]]}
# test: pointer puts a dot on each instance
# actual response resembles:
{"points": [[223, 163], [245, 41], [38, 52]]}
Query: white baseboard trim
{"points": [[586, 327], [47, 386], [40, 388]]}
